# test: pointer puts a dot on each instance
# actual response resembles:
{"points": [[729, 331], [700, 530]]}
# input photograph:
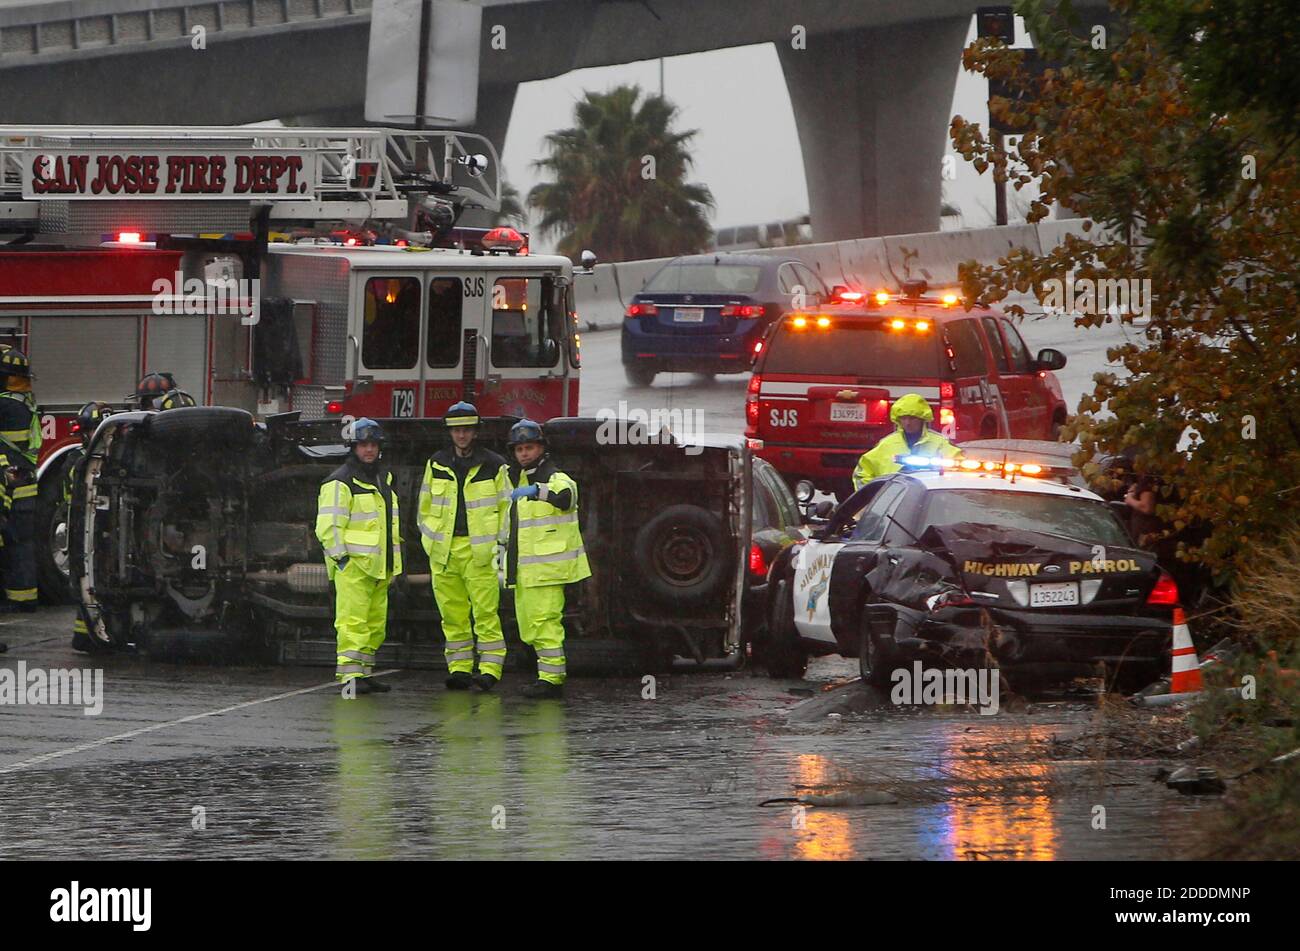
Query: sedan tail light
{"points": [[641, 310], [1165, 591], [743, 310]]}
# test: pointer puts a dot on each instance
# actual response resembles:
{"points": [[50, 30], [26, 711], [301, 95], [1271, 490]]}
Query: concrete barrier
{"points": [[868, 263]]}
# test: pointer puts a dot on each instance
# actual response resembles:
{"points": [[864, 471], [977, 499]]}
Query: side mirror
{"points": [[823, 509], [1050, 359], [837, 290], [588, 259]]}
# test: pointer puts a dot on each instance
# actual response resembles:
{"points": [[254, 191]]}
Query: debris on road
{"points": [[1196, 781], [842, 799]]}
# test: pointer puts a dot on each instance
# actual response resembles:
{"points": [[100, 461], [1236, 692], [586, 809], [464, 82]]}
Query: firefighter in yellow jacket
{"points": [[544, 552], [911, 416], [358, 526], [463, 500]]}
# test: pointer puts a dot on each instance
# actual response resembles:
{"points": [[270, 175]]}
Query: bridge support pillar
{"points": [[872, 108]]}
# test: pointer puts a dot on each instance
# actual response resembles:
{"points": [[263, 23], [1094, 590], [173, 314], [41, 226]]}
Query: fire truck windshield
{"points": [[527, 327]]}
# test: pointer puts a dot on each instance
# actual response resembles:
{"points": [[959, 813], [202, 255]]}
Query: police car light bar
{"points": [[939, 464]]}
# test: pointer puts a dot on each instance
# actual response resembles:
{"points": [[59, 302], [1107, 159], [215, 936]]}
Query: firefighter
{"points": [[358, 526], [911, 416], [544, 552], [88, 419], [20, 442], [463, 499], [151, 389]]}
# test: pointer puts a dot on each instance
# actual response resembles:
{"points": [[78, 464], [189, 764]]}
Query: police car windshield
{"points": [[1081, 519], [857, 348], [706, 278]]}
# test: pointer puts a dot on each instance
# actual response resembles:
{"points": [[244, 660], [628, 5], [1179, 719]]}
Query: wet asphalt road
{"points": [[423, 773]]}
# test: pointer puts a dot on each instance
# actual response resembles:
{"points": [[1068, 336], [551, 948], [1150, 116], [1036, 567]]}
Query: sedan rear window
{"points": [[866, 348], [706, 278], [1080, 519]]}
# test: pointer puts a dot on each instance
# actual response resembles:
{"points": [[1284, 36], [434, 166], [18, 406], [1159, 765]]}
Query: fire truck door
{"points": [[526, 356], [390, 361]]}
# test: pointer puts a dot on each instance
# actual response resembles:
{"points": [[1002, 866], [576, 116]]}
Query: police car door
{"points": [[813, 562]]}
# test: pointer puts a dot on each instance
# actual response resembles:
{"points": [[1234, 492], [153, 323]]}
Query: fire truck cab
{"points": [[325, 272]]}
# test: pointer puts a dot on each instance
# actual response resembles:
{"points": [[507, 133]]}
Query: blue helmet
{"points": [[364, 429], [462, 414], [525, 431]]}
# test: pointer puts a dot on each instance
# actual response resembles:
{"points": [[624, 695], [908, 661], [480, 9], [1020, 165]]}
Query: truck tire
{"points": [[782, 654], [682, 556], [53, 579], [221, 425]]}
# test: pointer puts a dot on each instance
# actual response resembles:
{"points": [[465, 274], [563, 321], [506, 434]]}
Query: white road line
{"points": [[130, 734]]}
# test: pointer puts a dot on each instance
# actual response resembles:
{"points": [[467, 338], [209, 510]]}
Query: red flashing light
{"points": [[758, 346], [351, 242], [1165, 591], [947, 391], [757, 563], [76, 426], [850, 297], [129, 237], [504, 239], [334, 407]]}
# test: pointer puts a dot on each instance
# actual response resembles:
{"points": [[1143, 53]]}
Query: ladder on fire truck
{"points": [[348, 174]]}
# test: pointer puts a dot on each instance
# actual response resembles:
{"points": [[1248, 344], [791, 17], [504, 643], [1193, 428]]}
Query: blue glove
{"points": [[342, 562], [524, 492]]}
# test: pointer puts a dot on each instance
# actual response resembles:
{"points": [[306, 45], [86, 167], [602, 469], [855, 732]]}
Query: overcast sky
{"points": [[746, 150]]}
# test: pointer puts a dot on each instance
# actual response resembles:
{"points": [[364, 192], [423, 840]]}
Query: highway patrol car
{"points": [[970, 563]]}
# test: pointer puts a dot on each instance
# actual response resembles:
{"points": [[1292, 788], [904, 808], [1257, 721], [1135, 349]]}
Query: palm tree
{"points": [[512, 210], [601, 196]]}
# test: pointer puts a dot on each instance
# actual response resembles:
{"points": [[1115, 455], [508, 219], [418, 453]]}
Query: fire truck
{"points": [[325, 272]]}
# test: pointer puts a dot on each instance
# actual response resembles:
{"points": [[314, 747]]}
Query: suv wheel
{"points": [[682, 555]]}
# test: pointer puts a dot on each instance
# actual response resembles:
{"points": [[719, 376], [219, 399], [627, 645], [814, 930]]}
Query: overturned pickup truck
{"points": [[192, 534]]}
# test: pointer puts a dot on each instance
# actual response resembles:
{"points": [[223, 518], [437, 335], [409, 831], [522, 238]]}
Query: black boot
{"points": [[484, 681], [81, 642], [366, 685], [543, 690], [460, 680]]}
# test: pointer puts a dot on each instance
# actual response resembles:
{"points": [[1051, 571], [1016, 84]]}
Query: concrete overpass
{"points": [[871, 91]]}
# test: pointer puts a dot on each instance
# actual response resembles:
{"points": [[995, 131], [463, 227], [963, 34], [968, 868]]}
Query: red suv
{"points": [[824, 381]]}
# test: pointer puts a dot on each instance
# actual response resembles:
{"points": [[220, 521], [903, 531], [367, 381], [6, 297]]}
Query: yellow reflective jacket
{"points": [[545, 545], [356, 518], [487, 502], [879, 460]]}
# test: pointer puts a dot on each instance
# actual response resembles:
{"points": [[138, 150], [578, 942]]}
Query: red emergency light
{"points": [[505, 239]]}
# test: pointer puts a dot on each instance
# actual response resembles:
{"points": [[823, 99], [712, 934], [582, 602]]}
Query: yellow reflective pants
{"points": [[459, 588], [360, 620], [539, 611]]}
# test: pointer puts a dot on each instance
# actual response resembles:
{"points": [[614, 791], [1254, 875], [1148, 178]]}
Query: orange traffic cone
{"points": [[1186, 676]]}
